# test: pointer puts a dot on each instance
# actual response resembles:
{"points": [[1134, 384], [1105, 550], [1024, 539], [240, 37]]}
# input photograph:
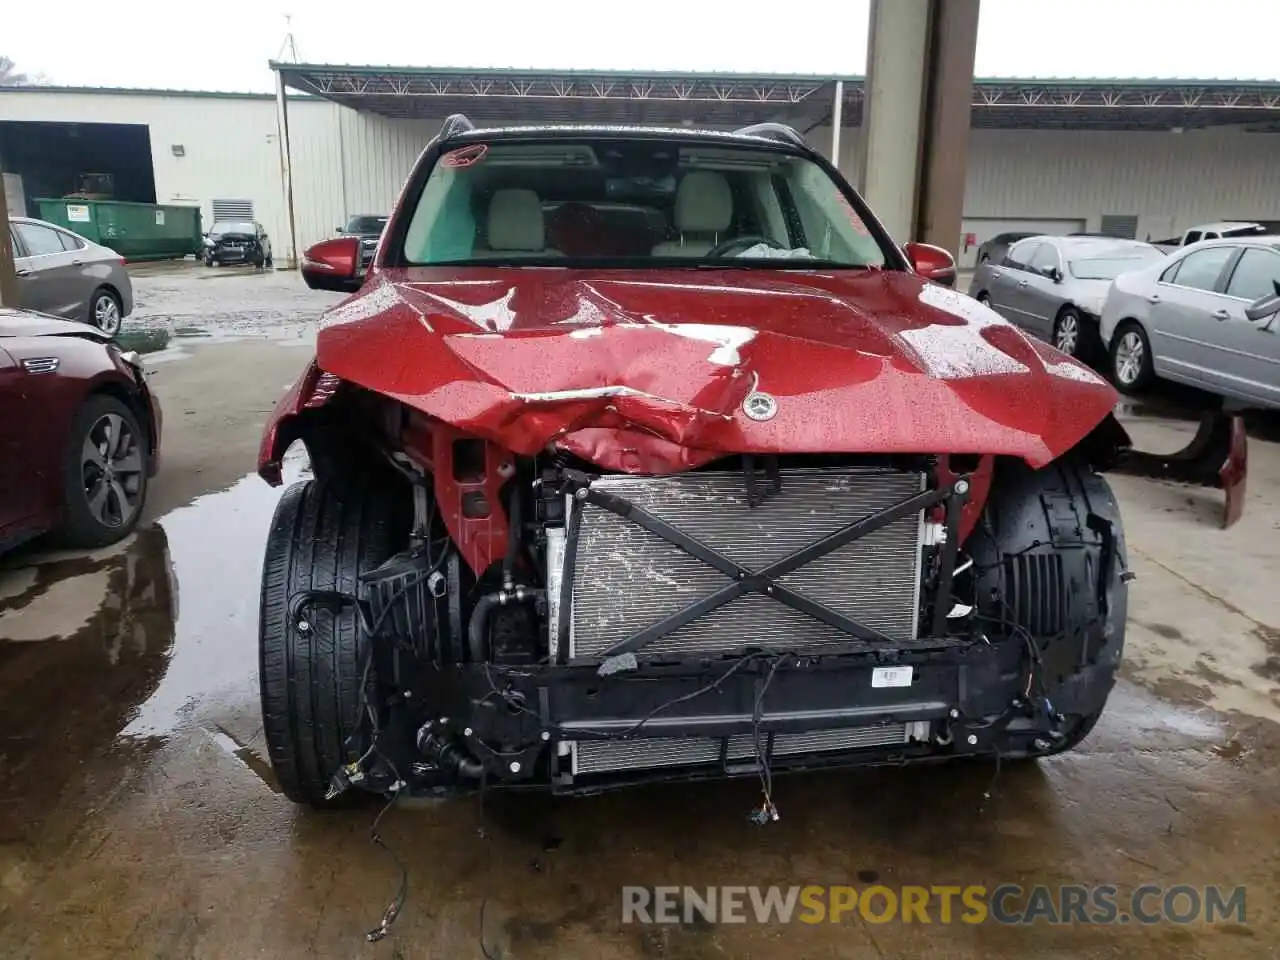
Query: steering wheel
{"points": [[738, 244]]}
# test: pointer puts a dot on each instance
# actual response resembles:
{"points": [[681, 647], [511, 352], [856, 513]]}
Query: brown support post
{"points": [[953, 40], [8, 278]]}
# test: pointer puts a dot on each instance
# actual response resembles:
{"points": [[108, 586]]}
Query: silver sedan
{"points": [[1054, 287], [1207, 317], [63, 274]]}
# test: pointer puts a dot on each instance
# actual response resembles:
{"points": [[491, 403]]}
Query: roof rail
{"points": [[455, 124], [774, 131]]}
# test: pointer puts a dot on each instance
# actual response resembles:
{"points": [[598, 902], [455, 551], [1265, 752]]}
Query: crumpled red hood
{"points": [[647, 370]]}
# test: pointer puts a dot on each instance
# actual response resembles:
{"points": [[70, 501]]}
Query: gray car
{"points": [[1203, 317], [63, 274], [1054, 287]]}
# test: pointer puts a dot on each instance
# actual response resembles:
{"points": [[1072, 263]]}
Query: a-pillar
{"points": [[916, 116]]}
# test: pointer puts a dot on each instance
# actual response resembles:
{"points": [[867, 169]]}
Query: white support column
{"points": [[837, 121], [893, 111], [286, 168]]}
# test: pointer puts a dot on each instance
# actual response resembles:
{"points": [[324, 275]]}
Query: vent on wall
{"points": [[1121, 225], [232, 209]]}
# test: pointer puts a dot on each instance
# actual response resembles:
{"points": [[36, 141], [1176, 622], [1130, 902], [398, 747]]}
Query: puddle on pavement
{"points": [[108, 654]]}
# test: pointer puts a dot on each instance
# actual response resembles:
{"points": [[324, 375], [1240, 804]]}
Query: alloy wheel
{"points": [[111, 468], [1129, 358], [1067, 336], [106, 314]]}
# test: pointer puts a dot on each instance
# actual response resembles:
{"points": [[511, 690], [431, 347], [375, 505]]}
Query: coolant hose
{"points": [[477, 628]]}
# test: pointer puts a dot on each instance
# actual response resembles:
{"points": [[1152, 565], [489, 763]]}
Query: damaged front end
{"points": [[758, 615]]}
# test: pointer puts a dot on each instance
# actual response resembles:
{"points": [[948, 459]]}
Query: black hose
{"points": [[478, 627], [513, 539]]}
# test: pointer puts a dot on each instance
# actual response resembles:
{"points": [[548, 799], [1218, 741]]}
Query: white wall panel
{"points": [[229, 143], [1171, 181]]}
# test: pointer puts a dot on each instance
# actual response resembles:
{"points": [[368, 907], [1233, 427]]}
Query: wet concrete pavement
{"points": [[138, 819]]}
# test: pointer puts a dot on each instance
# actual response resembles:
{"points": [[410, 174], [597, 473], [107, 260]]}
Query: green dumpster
{"points": [[136, 231]]}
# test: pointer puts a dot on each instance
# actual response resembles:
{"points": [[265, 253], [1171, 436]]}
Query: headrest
{"points": [[703, 203], [515, 221]]}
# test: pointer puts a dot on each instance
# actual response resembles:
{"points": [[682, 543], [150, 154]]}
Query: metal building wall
{"points": [[346, 162], [229, 142], [1171, 181]]}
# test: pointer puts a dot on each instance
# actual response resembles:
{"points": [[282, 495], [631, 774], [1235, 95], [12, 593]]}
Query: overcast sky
{"points": [[187, 44]]}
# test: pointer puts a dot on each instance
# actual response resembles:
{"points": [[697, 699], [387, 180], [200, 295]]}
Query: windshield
{"points": [[365, 225], [1108, 268], [635, 202], [237, 226]]}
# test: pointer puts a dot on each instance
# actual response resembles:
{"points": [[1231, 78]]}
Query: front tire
{"points": [[104, 474], [324, 535], [1132, 370]]}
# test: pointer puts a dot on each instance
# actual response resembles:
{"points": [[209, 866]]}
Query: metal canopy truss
{"points": [[803, 101]]}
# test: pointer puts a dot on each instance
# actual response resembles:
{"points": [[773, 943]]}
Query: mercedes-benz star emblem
{"points": [[760, 406]]}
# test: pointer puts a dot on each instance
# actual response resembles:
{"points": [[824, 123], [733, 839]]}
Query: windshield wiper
{"points": [[780, 263]]}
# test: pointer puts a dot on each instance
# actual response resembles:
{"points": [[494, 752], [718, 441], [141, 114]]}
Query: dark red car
{"points": [[647, 454], [79, 432]]}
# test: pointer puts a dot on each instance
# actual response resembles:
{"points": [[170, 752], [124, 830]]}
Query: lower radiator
{"points": [[642, 753]]}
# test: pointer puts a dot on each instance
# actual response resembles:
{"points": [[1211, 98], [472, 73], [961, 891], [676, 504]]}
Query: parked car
{"points": [[760, 497], [993, 250], [1187, 319], [1214, 231], [1054, 287], [368, 227], [237, 241], [80, 434], [63, 274]]}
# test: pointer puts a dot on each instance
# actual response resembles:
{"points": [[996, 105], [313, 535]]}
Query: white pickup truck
{"points": [[1214, 231]]}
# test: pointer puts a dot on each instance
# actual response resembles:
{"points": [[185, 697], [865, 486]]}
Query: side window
{"points": [[1193, 236], [1021, 254], [70, 241], [1200, 270], [39, 241], [1045, 259], [1256, 273], [1171, 273], [18, 251], [1210, 236]]}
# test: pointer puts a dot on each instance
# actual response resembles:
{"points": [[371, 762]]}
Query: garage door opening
{"points": [[100, 161]]}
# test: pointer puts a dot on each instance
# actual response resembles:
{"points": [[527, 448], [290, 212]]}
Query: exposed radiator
{"points": [[627, 578], [598, 756]]}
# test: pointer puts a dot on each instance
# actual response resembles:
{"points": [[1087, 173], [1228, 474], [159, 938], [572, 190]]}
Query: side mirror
{"points": [[1265, 307], [1054, 274], [333, 265], [932, 263]]}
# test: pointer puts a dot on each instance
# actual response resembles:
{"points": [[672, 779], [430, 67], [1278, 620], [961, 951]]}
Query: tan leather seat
{"points": [[704, 211], [516, 227]]}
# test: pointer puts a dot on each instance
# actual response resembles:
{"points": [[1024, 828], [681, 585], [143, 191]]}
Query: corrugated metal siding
{"points": [[1171, 181], [230, 146], [380, 153]]}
